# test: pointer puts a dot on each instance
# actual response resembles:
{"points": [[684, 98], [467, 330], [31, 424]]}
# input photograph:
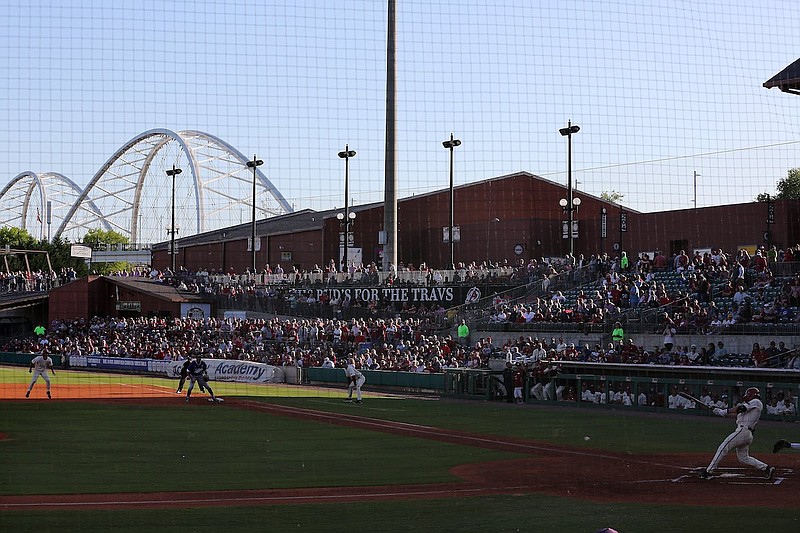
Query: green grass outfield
{"points": [[94, 446]]}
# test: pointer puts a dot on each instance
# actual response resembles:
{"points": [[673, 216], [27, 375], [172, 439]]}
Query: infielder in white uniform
{"points": [[747, 414], [355, 380], [39, 366]]}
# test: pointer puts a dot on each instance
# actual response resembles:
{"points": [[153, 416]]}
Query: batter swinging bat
{"points": [[697, 401]]}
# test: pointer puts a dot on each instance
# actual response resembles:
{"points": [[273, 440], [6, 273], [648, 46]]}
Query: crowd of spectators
{"points": [[685, 288], [406, 336], [34, 280], [298, 293], [396, 344], [528, 349], [410, 344], [208, 280]]}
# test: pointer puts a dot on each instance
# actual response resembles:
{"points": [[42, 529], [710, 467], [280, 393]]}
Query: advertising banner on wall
{"points": [[229, 370], [218, 369], [446, 295], [111, 363], [195, 310]]}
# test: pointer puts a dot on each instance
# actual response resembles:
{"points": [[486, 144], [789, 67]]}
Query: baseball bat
{"points": [[697, 401]]}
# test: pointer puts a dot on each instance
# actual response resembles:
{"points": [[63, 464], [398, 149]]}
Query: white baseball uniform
{"points": [[40, 365], [741, 438], [351, 371]]}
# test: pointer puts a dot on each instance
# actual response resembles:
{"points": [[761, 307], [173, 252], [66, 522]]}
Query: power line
{"points": [[677, 157]]}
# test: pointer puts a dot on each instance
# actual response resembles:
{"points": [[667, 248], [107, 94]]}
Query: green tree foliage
{"points": [[17, 238], [104, 269], [788, 188], [97, 236], [612, 196], [58, 252]]}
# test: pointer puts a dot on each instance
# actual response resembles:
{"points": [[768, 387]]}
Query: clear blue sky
{"points": [[660, 90]]}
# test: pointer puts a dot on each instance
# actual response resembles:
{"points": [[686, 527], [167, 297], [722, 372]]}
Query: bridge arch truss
{"points": [[132, 195], [25, 199]]}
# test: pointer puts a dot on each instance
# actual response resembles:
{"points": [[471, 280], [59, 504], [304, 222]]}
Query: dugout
{"points": [[659, 383]]}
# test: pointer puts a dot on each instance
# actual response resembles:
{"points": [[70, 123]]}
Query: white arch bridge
{"points": [[132, 195]]}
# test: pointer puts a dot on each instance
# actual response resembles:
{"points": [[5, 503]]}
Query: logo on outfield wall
{"points": [[473, 295], [195, 312]]}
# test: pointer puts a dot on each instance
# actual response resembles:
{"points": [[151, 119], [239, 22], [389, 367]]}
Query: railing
{"points": [[290, 307], [478, 311], [420, 278], [119, 247], [790, 268]]}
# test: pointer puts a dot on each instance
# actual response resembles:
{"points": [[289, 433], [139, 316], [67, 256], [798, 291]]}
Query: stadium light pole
{"points": [[570, 207], [254, 164], [172, 173], [347, 217], [450, 144]]}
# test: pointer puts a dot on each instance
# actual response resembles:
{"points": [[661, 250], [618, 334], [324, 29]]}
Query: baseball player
{"points": [[198, 370], [184, 375], [747, 414], [783, 443], [39, 366], [355, 380]]}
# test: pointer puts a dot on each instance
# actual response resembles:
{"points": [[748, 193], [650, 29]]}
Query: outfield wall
{"points": [[12, 358], [218, 369], [379, 379]]}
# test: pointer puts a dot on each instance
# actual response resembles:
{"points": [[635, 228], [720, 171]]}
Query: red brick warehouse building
{"points": [[511, 217]]}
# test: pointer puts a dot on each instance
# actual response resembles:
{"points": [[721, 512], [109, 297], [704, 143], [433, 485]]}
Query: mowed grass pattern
{"points": [[73, 447], [93, 446]]}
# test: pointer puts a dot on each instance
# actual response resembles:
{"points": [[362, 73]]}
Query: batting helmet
{"points": [[752, 392]]}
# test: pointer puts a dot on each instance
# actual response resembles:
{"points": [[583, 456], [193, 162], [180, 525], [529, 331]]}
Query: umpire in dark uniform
{"points": [[184, 375]]}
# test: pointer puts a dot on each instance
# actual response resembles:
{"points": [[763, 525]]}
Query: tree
{"points": [[98, 236], [612, 196], [16, 238], [788, 188]]}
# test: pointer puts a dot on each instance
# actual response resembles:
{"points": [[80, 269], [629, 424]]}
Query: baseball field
{"points": [[125, 453]]}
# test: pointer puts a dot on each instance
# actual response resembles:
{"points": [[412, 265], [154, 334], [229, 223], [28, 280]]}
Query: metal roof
{"points": [[162, 291], [787, 80]]}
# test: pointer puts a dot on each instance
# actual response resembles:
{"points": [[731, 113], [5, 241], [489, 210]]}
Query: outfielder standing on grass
{"points": [[355, 380], [747, 414], [39, 366], [198, 371]]}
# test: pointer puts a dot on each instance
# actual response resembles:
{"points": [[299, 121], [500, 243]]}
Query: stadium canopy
{"points": [[787, 80]]}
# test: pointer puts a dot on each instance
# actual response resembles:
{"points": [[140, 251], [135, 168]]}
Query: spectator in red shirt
{"points": [[759, 356], [760, 262], [660, 261]]}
